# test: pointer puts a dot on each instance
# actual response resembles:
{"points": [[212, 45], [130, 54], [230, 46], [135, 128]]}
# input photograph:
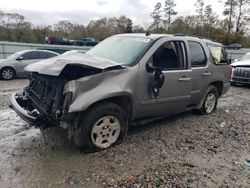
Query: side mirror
{"points": [[150, 67], [19, 58]]}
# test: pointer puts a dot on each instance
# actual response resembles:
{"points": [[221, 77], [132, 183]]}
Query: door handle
{"points": [[184, 79], [206, 74]]}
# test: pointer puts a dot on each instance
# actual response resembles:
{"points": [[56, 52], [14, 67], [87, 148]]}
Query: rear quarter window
{"points": [[45, 55], [218, 54]]}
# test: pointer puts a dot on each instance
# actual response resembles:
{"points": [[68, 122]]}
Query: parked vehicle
{"points": [[241, 71], [126, 78], [234, 46], [73, 51], [57, 40], [87, 42], [72, 42], [14, 64]]}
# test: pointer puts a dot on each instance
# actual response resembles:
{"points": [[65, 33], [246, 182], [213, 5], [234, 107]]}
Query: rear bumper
{"points": [[16, 104], [240, 80]]}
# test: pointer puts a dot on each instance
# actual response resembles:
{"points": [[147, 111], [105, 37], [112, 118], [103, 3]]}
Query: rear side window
{"points": [[45, 55], [198, 57], [218, 54], [49, 55]]}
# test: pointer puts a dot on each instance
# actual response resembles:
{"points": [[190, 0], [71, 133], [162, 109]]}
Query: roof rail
{"points": [[186, 35]]}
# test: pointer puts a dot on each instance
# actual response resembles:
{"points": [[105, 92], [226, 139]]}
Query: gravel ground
{"points": [[186, 150]]}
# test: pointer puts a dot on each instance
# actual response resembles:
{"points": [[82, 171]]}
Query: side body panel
{"points": [[201, 76], [20, 65], [175, 93], [94, 88]]}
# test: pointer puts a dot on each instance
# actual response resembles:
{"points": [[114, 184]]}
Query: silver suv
{"points": [[124, 79]]}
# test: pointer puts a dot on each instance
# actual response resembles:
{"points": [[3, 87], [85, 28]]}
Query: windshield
{"points": [[123, 50], [15, 55], [246, 57]]}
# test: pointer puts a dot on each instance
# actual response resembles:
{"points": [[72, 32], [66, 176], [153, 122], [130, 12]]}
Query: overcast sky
{"points": [[45, 12]]}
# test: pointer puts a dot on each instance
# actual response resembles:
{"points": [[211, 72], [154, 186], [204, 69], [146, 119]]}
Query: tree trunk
{"points": [[230, 17], [238, 19]]}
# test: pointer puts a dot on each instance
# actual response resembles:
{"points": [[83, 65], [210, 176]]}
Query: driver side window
{"points": [[170, 56]]}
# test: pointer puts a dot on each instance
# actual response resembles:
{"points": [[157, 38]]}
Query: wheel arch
{"points": [[124, 101], [218, 85], [9, 68]]}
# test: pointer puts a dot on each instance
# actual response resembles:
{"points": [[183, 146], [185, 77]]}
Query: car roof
{"points": [[158, 36], [151, 36]]}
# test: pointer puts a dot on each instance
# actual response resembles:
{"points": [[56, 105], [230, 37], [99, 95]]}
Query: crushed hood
{"points": [[55, 66]]}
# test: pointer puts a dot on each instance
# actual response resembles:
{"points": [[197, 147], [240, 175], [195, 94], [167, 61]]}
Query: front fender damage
{"points": [[45, 97], [106, 85]]}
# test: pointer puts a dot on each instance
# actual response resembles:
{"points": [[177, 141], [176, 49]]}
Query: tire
{"points": [[7, 73], [233, 84], [104, 125], [209, 101]]}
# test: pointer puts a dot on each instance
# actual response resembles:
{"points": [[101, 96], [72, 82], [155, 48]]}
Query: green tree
{"points": [[124, 24], [138, 29], [78, 31], [169, 10], [230, 6], [178, 26], [14, 27], [210, 19], [64, 27], [101, 28], [242, 15], [156, 15], [199, 10]]}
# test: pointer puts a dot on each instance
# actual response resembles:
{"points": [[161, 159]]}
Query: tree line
{"points": [[232, 27]]}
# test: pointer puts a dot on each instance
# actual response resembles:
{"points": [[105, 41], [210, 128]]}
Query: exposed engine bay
{"points": [[45, 97]]}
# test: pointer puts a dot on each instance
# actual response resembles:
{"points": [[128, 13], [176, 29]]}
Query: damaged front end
{"points": [[45, 101]]}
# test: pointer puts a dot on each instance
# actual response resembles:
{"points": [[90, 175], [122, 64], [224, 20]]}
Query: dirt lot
{"points": [[186, 150]]}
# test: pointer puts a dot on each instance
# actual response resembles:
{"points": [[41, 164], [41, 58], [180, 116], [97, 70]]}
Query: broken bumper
{"points": [[16, 105]]}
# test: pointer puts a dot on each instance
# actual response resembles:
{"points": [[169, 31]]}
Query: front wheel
{"points": [[209, 101], [101, 127], [7, 73]]}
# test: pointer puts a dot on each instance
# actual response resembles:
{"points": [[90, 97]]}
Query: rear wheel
{"points": [[209, 101], [101, 127], [7, 73]]}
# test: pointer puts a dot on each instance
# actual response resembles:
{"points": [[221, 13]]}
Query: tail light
{"points": [[231, 72]]}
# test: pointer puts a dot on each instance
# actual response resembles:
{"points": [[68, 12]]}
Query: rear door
{"points": [[174, 96], [201, 71]]}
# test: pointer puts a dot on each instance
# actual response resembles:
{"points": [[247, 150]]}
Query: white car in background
{"points": [[14, 64], [240, 70]]}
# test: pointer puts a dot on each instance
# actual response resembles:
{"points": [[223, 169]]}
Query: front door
{"points": [[27, 58], [175, 94]]}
